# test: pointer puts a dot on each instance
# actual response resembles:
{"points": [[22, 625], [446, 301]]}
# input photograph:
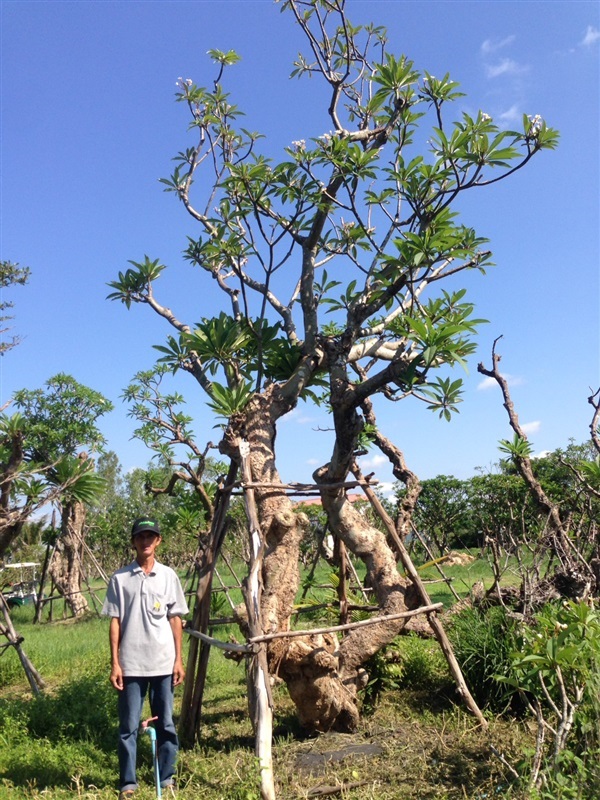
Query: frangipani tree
{"points": [[334, 262]]}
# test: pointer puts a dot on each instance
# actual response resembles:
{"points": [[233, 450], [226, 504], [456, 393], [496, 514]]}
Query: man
{"points": [[145, 602]]}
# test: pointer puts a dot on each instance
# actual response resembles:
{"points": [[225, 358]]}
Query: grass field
{"points": [[414, 742]]}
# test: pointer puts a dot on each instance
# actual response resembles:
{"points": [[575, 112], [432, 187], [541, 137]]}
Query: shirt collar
{"points": [[135, 567]]}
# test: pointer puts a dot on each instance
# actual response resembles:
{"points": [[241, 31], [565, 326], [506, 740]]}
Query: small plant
{"points": [[408, 662], [483, 640], [556, 669], [385, 670]]}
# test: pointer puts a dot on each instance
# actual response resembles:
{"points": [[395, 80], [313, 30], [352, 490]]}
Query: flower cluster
{"points": [[535, 125], [184, 84]]}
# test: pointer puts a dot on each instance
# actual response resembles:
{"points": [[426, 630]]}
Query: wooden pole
{"points": [[197, 665], [348, 626], [39, 603], [435, 561], [339, 551], [259, 692], [267, 637], [33, 676]]}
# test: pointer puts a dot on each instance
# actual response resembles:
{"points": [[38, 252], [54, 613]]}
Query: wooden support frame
{"points": [[254, 650], [13, 639]]}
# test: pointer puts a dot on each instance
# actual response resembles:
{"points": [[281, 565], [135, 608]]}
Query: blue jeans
{"points": [[131, 701]]}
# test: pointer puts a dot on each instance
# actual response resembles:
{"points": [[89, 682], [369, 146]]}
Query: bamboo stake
{"points": [[39, 603], [429, 609], [95, 561], [359, 584], [435, 623], [198, 656], [225, 589], [231, 569], [301, 488]]}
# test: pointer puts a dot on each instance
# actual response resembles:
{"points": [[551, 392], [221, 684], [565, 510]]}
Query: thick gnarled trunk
{"points": [[323, 674], [66, 567]]}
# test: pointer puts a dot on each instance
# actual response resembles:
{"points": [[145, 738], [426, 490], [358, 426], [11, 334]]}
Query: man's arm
{"points": [[178, 668], [114, 635]]}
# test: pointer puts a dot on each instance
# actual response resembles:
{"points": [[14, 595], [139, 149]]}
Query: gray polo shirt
{"points": [[144, 604]]}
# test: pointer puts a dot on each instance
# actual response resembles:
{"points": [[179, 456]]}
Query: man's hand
{"points": [[116, 677], [178, 672]]}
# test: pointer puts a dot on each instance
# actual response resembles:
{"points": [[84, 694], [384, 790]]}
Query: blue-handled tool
{"points": [[147, 728]]}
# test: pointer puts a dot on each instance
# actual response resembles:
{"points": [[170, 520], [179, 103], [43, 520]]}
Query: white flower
{"points": [[536, 125], [485, 117]]}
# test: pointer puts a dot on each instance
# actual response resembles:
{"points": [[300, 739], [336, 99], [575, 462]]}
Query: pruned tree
{"points": [[568, 559], [359, 223]]}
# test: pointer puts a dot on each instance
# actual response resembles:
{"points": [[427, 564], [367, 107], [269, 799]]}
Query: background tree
{"points": [[46, 463], [441, 513], [126, 497], [108, 520], [359, 223], [10, 275]]}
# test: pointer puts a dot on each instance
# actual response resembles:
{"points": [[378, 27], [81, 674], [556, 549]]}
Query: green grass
{"points": [[414, 741]]}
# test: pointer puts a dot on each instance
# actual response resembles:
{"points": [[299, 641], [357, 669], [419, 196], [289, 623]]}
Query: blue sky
{"points": [[89, 124]]}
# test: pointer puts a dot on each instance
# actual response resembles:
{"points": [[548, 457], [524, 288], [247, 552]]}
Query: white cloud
{"points": [[298, 417], [493, 45], [489, 383], [592, 35], [485, 384], [374, 462], [387, 489], [531, 427], [542, 454], [507, 66], [512, 115]]}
